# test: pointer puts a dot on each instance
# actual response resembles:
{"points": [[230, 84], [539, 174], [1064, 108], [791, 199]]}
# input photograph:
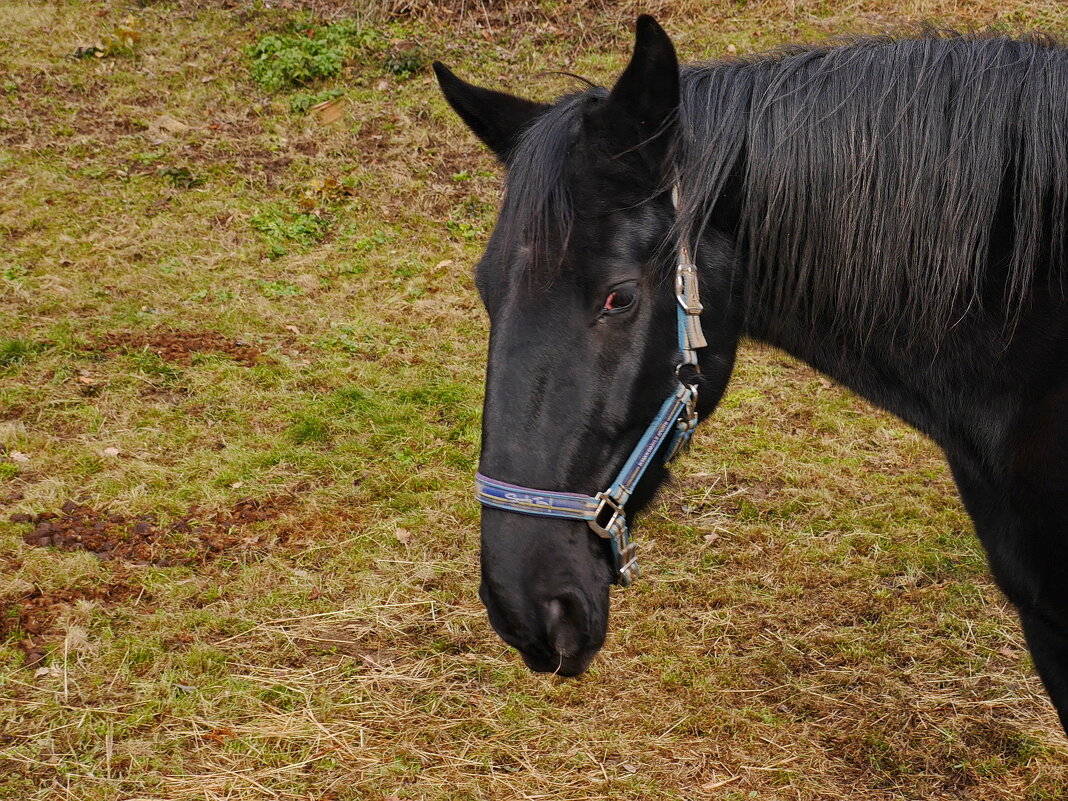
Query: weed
{"points": [[405, 62], [15, 351], [180, 177], [309, 429], [302, 101], [122, 40], [15, 273], [280, 226], [290, 60], [366, 244], [279, 289], [463, 229]]}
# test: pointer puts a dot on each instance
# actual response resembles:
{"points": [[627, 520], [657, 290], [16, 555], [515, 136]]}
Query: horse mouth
{"points": [[559, 664]]}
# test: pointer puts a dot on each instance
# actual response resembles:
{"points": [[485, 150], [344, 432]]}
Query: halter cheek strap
{"points": [[605, 512]]}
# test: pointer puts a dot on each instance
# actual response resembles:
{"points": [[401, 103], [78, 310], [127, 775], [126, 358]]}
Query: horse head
{"points": [[578, 280]]}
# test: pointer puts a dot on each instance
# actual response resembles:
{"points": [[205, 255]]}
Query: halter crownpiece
{"points": [[605, 512]]}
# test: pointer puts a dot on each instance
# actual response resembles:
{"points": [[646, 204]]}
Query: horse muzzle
{"points": [[568, 647], [557, 629]]}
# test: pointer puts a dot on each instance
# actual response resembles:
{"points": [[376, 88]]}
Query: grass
{"points": [[816, 619]]}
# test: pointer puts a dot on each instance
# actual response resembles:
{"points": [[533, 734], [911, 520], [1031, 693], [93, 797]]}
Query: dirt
{"points": [[192, 539], [34, 615], [180, 346]]}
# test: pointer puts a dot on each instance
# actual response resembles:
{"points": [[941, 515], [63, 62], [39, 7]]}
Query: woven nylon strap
{"points": [[603, 512]]}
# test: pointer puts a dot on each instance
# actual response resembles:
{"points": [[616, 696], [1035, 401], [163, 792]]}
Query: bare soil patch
{"points": [[35, 614], [192, 539], [179, 346]]}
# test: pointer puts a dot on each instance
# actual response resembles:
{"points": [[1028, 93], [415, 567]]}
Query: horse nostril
{"points": [[566, 625]]}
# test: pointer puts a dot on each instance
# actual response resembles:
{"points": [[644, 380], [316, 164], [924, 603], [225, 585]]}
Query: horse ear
{"points": [[643, 103], [496, 118]]}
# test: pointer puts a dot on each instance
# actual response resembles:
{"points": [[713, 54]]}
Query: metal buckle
{"points": [[609, 529], [691, 411], [614, 529], [687, 292], [684, 425], [627, 569], [629, 573], [626, 558]]}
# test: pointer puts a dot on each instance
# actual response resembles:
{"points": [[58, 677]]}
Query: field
{"points": [[241, 363]]}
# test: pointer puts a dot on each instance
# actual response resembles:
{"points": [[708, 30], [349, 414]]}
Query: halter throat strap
{"points": [[605, 512]]}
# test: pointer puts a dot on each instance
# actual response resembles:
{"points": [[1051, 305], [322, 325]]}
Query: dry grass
{"points": [[816, 621]]}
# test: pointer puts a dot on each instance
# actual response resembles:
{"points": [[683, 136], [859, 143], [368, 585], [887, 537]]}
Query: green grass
{"points": [[816, 619]]}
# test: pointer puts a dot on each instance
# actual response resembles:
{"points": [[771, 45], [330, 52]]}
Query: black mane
{"points": [[875, 172], [872, 174]]}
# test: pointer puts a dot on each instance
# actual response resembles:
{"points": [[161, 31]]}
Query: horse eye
{"points": [[620, 298]]}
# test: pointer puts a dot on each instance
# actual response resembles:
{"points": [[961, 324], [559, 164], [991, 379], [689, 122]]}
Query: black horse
{"points": [[892, 211]]}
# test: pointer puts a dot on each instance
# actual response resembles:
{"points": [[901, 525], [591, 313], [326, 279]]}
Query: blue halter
{"points": [[605, 512]]}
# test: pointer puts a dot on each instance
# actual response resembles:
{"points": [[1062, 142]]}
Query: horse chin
{"points": [[569, 666]]}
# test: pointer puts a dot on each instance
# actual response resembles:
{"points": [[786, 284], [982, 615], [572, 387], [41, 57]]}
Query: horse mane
{"points": [[874, 173]]}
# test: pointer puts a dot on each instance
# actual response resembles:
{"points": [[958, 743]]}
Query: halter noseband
{"points": [[605, 512]]}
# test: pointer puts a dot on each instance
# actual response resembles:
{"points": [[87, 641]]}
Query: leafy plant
{"points": [[280, 226], [180, 177], [287, 60], [280, 289], [301, 102], [122, 40], [15, 273], [405, 62]]}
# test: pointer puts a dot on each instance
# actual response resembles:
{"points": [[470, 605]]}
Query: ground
{"points": [[240, 378]]}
